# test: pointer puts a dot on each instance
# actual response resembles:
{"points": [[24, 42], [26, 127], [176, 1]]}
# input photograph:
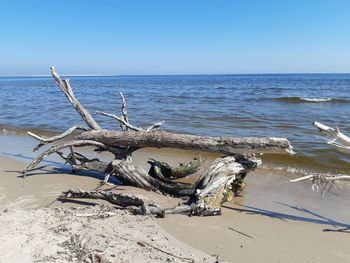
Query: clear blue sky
{"points": [[174, 37]]}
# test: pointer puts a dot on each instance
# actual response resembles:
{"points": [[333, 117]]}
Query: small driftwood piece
{"points": [[143, 244], [323, 182], [136, 204], [337, 138], [205, 195]]}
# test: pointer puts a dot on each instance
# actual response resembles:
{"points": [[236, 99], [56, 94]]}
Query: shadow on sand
{"points": [[52, 167], [319, 219]]}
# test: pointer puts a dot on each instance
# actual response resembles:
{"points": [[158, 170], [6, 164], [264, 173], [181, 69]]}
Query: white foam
{"points": [[317, 100]]}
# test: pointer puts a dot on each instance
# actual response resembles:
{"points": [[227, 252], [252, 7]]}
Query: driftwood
{"points": [[324, 182], [205, 196], [337, 138], [225, 145], [166, 172]]}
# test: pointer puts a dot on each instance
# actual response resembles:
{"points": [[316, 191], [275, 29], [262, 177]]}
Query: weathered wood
{"points": [[44, 141], [124, 113], [125, 125], [163, 169], [338, 139], [68, 92], [216, 182], [207, 195], [126, 172], [204, 196], [68, 144], [225, 145], [130, 201], [323, 182]]}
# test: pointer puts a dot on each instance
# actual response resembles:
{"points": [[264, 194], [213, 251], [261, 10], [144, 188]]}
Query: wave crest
{"points": [[310, 100]]}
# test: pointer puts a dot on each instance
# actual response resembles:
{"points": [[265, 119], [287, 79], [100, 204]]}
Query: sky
{"points": [[132, 37]]}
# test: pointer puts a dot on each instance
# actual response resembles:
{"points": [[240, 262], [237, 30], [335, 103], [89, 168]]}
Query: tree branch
{"points": [[68, 92], [44, 141], [53, 149], [121, 120]]}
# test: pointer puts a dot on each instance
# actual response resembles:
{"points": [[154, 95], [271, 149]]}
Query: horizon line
{"points": [[179, 74]]}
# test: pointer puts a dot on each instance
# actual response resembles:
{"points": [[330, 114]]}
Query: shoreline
{"points": [[283, 221]]}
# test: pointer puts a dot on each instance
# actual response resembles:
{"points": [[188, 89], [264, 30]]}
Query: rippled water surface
{"points": [[237, 105]]}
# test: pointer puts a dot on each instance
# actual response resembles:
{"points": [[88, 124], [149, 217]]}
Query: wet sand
{"points": [[273, 221]]}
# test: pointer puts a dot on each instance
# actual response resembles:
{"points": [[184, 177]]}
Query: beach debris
{"points": [[136, 204], [323, 182], [239, 232], [218, 183], [144, 244], [338, 139]]}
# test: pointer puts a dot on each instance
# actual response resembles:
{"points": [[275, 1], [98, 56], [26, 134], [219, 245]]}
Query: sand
{"points": [[273, 221], [35, 227], [278, 222], [71, 235]]}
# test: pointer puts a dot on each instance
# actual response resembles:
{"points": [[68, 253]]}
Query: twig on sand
{"points": [[97, 215], [239, 232], [143, 244]]}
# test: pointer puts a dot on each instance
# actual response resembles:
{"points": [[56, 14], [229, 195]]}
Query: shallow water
{"points": [[282, 105]]}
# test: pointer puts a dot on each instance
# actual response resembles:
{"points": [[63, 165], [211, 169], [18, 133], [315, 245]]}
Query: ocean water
{"points": [[281, 105]]}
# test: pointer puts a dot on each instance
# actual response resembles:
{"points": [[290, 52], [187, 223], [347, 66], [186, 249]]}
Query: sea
{"points": [[272, 105]]}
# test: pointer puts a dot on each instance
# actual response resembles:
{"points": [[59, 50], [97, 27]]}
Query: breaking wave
{"points": [[311, 100]]}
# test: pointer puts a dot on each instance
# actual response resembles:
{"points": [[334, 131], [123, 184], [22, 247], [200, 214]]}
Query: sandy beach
{"points": [[37, 228], [174, 131], [273, 221]]}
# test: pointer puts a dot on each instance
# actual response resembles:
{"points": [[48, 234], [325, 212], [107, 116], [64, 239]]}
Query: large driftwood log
{"points": [[225, 145], [205, 196]]}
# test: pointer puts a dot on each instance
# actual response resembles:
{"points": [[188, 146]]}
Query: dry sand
{"points": [[272, 222], [34, 227], [72, 235]]}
